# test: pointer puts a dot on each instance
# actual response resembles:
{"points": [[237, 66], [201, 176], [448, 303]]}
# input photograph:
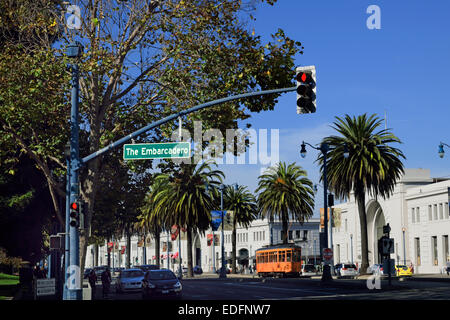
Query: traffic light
{"points": [[74, 214], [306, 89], [228, 217], [330, 200]]}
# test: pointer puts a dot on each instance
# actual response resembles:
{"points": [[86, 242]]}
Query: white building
{"points": [[418, 214], [257, 235]]}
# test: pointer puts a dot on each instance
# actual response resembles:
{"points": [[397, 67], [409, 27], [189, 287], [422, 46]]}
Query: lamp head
{"points": [[441, 150], [303, 150]]}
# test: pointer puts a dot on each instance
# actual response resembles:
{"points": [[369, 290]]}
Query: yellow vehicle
{"points": [[403, 270]]}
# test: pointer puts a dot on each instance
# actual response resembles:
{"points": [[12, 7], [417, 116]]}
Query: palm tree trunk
{"points": [[157, 248], [189, 252], [285, 220], [360, 198], [233, 244]]}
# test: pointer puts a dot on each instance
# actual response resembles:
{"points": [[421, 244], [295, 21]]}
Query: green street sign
{"points": [[170, 150]]}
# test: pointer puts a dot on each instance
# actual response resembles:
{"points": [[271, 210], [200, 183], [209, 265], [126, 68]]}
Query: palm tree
{"points": [[372, 166], [187, 202], [285, 192], [243, 204]]}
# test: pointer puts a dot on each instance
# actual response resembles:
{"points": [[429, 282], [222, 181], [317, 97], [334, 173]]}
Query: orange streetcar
{"points": [[279, 261]]}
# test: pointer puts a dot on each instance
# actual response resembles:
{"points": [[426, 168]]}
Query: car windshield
{"points": [[309, 267], [349, 266], [402, 267], [132, 274], [161, 275]]}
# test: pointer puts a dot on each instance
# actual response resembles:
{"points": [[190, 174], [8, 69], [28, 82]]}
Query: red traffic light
{"points": [[304, 77], [74, 206]]}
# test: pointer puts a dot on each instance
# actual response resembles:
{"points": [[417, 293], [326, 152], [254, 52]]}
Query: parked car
{"points": [[336, 268], [129, 280], [402, 270], [308, 270], [146, 267], [161, 283], [198, 270], [185, 271], [117, 269], [347, 270]]}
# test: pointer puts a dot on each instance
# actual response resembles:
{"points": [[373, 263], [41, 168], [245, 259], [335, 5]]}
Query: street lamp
{"points": [[441, 149], [324, 147]]}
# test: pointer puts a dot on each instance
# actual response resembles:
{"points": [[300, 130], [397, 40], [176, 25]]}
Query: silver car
{"points": [[308, 270], [130, 280]]}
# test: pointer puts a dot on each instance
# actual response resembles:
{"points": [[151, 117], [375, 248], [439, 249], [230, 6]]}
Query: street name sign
{"points": [[144, 151]]}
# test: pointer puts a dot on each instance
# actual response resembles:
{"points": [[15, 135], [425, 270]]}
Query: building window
{"points": [[297, 234], [305, 234], [434, 250], [417, 214], [441, 211], [417, 250], [290, 235], [435, 216], [445, 248], [413, 215], [430, 214], [446, 210], [263, 235]]}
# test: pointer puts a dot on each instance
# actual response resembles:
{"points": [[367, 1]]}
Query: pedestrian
{"points": [[106, 282], [411, 267], [250, 269], [448, 268], [92, 281]]}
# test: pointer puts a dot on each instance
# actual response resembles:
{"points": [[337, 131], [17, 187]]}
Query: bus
{"points": [[279, 261]]}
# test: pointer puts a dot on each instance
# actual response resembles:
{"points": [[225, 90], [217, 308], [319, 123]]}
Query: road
{"points": [[246, 288]]}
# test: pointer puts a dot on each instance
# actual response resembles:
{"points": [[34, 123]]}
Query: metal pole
{"points": [[67, 236], [351, 246], [404, 247], [326, 275], [223, 273], [214, 253], [180, 270], [168, 257], [75, 288]]}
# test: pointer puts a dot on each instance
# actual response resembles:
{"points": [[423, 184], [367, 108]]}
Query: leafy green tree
{"points": [[285, 193], [245, 209], [143, 60], [373, 166]]}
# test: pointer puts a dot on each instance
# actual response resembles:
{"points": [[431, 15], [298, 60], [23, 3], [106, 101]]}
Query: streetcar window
{"points": [[297, 256], [289, 256], [281, 256]]}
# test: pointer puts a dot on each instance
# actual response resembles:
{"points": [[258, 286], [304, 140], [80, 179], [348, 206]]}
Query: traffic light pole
{"points": [[74, 284]]}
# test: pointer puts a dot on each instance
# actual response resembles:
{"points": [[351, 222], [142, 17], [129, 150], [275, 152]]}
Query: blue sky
{"points": [[401, 69]]}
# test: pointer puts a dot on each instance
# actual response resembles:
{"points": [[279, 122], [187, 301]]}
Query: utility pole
{"points": [[74, 50]]}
